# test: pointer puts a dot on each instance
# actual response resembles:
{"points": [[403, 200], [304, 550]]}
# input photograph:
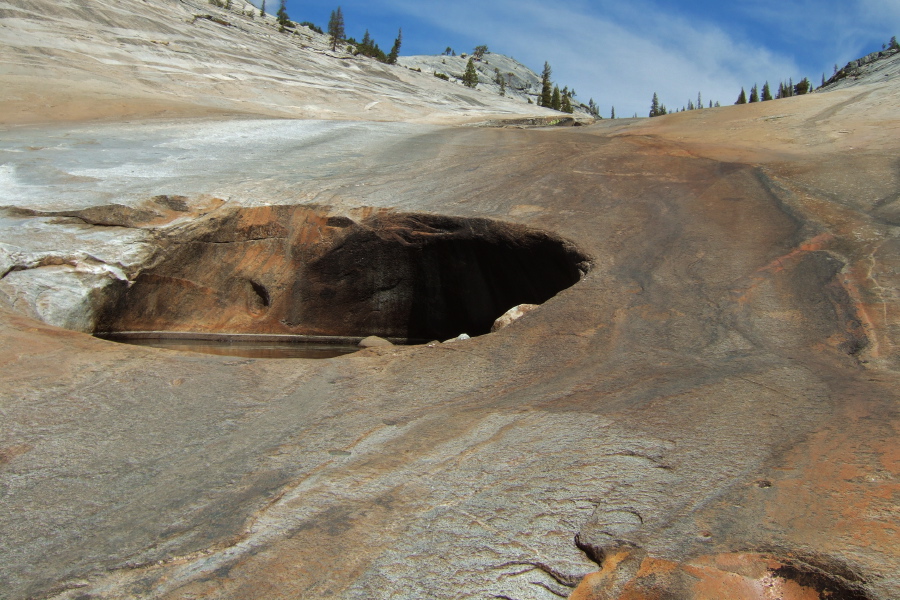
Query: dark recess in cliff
{"points": [[298, 270]]}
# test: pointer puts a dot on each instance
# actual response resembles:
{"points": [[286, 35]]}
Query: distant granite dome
{"points": [[521, 82], [872, 68]]}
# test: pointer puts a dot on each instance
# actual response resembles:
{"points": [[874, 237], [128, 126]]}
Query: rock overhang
{"points": [[306, 270]]}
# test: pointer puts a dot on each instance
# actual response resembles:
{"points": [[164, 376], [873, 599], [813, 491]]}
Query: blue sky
{"points": [[620, 53]]}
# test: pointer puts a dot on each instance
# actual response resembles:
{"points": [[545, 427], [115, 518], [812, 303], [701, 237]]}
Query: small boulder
{"points": [[511, 315], [373, 341], [459, 338]]}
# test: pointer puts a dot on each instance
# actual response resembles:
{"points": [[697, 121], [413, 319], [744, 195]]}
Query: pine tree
{"points": [[654, 106], [470, 78], [893, 45], [567, 104], [690, 105], [395, 49], [612, 113], [500, 81], [479, 52], [262, 9], [803, 87], [699, 101], [282, 17], [766, 92], [555, 100], [742, 99], [336, 27], [754, 94], [546, 89]]}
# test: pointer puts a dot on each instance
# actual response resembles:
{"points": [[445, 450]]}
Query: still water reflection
{"points": [[248, 349]]}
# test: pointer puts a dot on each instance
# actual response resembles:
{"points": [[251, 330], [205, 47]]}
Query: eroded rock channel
{"points": [[303, 271]]}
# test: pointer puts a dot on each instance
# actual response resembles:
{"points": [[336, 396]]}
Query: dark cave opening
{"points": [[300, 271]]}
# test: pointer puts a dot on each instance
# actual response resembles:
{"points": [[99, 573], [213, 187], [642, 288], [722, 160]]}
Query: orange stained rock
{"points": [[735, 576]]}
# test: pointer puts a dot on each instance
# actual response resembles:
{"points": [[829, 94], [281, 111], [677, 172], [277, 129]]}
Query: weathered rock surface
{"points": [[737, 576], [301, 270], [373, 341], [65, 60], [513, 314], [520, 81], [713, 404], [862, 71]]}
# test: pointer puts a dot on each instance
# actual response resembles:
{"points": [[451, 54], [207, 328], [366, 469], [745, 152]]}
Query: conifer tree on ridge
{"points": [[555, 100], [470, 78], [754, 94], [546, 87], [282, 17], [395, 50], [336, 28]]}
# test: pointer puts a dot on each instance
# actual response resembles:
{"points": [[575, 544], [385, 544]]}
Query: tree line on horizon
{"points": [[658, 109], [786, 89], [552, 97], [336, 32]]}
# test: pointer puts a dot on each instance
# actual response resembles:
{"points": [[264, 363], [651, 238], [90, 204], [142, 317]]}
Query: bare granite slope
{"points": [[705, 408], [872, 68], [520, 82], [72, 60]]}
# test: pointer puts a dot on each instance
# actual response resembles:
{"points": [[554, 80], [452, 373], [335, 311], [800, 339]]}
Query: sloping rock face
{"points": [[69, 60], [720, 381], [520, 81], [865, 70], [710, 411]]}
